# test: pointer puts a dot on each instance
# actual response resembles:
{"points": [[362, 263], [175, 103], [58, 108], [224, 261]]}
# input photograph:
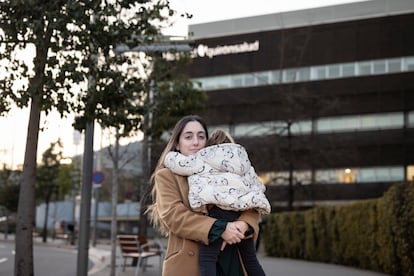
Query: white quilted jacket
{"points": [[221, 175]]}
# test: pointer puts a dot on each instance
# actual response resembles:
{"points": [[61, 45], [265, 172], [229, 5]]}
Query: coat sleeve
{"points": [[174, 209], [251, 217]]}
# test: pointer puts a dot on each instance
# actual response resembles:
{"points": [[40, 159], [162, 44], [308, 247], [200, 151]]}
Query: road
{"points": [[48, 260]]}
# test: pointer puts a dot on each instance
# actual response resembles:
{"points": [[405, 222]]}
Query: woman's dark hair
{"points": [[171, 146], [175, 136]]}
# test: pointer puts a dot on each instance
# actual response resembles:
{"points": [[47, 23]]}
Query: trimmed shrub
{"points": [[375, 234]]}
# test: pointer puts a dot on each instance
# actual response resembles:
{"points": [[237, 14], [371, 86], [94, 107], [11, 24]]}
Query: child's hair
{"points": [[219, 136]]}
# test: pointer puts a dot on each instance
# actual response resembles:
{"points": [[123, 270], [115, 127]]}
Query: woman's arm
{"points": [[174, 209], [176, 215]]}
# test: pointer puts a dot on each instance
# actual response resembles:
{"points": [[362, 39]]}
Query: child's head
{"points": [[219, 136]]}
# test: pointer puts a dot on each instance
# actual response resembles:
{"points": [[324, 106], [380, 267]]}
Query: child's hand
{"points": [[223, 245]]}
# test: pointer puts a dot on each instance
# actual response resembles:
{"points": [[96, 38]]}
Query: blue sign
{"points": [[98, 177]]}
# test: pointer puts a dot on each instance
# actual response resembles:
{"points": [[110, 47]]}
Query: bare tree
{"points": [[47, 179]]}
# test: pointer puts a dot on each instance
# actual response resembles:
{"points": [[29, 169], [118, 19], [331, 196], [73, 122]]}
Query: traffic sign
{"points": [[98, 177]]}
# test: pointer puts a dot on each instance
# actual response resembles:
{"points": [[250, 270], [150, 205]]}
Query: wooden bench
{"points": [[131, 248], [60, 234]]}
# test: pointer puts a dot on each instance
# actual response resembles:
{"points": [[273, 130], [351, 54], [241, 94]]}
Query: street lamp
{"points": [[160, 48], [163, 47], [150, 48]]}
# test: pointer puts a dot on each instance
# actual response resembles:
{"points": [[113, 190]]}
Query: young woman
{"points": [[171, 211], [222, 183]]}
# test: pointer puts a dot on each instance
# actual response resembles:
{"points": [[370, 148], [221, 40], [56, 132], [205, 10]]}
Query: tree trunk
{"points": [[144, 190], [44, 234], [290, 190], [26, 207]]}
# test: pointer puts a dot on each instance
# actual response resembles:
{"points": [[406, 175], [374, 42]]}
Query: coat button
{"points": [[191, 253]]}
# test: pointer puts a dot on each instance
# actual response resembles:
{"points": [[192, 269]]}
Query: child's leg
{"points": [[208, 257], [208, 254], [248, 254]]}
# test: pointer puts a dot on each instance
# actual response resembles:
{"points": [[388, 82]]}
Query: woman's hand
{"points": [[232, 234], [242, 226]]}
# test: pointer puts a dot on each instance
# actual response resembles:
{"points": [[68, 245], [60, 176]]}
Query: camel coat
{"points": [[185, 228]]}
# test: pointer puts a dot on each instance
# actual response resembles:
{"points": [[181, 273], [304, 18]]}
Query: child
{"points": [[222, 183]]}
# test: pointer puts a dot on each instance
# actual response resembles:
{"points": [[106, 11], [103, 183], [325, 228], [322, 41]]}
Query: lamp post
{"points": [[84, 220], [153, 48], [163, 47], [86, 191]]}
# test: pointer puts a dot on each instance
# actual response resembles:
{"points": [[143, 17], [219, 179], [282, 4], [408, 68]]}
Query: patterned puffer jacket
{"points": [[221, 175]]}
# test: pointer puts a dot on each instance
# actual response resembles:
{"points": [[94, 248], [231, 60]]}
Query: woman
{"points": [[171, 211], [222, 183]]}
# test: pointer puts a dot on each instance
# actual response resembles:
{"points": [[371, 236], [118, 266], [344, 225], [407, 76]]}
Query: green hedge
{"points": [[375, 234]]}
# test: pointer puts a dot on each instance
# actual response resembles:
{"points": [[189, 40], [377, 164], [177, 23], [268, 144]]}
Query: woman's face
{"points": [[192, 138]]}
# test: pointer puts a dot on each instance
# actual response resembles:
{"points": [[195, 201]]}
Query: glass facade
{"points": [[312, 73], [340, 175], [323, 125], [351, 123]]}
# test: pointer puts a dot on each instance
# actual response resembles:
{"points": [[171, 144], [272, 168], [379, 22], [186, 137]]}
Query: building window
{"points": [[410, 173], [410, 120], [360, 175], [304, 74], [364, 68], [262, 78], [360, 122], [289, 75], [313, 73], [249, 80], [276, 77], [237, 81], [282, 177], [368, 122], [381, 174], [364, 122], [225, 82], [327, 176], [348, 70], [318, 73], [334, 71], [301, 127], [394, 65], [390, 120], [379, 67], [409, 64]]}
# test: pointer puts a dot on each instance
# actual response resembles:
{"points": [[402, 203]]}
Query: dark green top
{"points": [[228, 263]]}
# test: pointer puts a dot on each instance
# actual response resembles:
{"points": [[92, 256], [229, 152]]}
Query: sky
{"points": [[14, 125]]}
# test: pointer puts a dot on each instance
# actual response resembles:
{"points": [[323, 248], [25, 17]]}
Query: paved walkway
{"points": [[100, 256], [272, 266]]}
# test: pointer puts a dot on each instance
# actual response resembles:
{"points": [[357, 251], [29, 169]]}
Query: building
{"points": [[62, 214], [317, 96]]}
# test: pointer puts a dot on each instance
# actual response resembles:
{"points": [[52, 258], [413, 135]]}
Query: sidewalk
{"points": [[271, 266], [101, 258]]}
